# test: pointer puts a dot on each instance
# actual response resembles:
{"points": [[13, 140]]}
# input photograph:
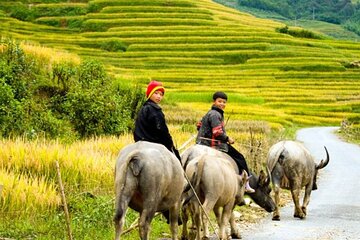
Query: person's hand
{"points": [[231, 141]]}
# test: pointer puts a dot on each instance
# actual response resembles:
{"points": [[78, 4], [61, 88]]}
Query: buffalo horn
{"points": [[323, 164]]}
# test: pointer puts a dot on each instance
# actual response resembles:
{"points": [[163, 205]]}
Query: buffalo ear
{"points": [[262, 178], [244, 177]]}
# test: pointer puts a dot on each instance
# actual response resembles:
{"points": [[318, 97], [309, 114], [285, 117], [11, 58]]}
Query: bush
{"points": [[96, 108], [78, 102], [353, 26], [53, 10], [22, 12], [11, 111], [113, 46], [299, 32]]}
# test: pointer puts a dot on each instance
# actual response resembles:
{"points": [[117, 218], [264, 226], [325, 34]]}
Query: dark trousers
{"points": [[239, 159]]}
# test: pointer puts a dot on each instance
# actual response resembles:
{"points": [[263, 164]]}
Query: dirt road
{"points": [[334, 209]]}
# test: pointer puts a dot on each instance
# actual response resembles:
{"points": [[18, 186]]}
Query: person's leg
{"points": [[239, 159], [242, 165]]}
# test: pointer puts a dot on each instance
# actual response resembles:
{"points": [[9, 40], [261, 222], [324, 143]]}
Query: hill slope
{"points": [[341, 17], [196, 47]]}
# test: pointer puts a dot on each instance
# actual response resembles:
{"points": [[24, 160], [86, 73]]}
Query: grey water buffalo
{"points": [[292, 167], [148, 179], [217, 185], [261, 183]]}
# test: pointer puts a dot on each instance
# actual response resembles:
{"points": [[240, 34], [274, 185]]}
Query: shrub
{"points": [[95, 108], [69, 22], [63, 72], [22, 12], [48, 10], [299, 32], [113, 46], [64, 100], [353, 25]]}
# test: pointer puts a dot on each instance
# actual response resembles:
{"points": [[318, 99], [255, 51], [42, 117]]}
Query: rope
{"points": [[202, 207]]}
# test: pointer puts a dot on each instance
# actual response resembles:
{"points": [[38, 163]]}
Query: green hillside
{"points": [[337, 31], [197, 47], [341, 15]]}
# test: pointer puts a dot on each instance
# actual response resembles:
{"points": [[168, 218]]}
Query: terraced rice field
{"points": [[197, 47]]}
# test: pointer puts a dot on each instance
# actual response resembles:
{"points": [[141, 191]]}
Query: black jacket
{"points": [[212, 131], [150, 126]]}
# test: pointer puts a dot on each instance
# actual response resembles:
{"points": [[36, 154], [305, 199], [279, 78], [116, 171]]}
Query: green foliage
{"points": [[298, 32], [79, 101], [12, 113], [329, 11], [90, 216], [113, 46], [69, 22], [97, 5], [353, 24], [95, 107], [350, 128], [344, 12], [22, 12], [64, 73], [235, 58], [47, 10]]}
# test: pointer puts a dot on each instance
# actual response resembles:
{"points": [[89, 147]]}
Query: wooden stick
{"points": [[135, 224], [63, 199]]}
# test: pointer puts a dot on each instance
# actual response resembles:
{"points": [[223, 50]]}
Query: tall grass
{"points": [[26, 194]]}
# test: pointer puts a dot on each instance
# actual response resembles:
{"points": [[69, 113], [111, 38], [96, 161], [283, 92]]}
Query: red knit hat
{"points": [[154, 86]]}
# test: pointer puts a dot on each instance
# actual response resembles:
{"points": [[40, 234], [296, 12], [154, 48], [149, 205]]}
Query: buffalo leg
{"points": [[306, 200], [225, 216], [235, 231], [119, 220], [276, 214], [276, 175], [208, 206], [217, 215], [121, 204], [185, 218], [197, 220], [144, 223], [174, 217], [295, 192]]}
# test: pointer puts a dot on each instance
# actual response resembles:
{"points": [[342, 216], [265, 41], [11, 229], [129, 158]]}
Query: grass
{"points": [[329, 29], [30, 203]]}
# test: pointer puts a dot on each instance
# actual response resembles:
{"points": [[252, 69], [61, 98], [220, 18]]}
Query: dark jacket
{"points": [[150, 126], [212, 131]]}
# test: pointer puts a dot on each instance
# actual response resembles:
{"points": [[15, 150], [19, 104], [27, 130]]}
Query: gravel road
{"points": [[334, 209]]}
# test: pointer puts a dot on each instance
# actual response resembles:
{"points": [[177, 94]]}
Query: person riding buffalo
{"points": [[150, 124], [211, 132]]}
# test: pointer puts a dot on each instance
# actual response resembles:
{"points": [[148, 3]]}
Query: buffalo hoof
{"points": [[301, 215], [304, 210], [235, 236], [276, 218]]}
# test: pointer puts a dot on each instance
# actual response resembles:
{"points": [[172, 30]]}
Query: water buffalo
{"points": [[261, 183], [292, 167], [148, 179], [218, 185]]}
